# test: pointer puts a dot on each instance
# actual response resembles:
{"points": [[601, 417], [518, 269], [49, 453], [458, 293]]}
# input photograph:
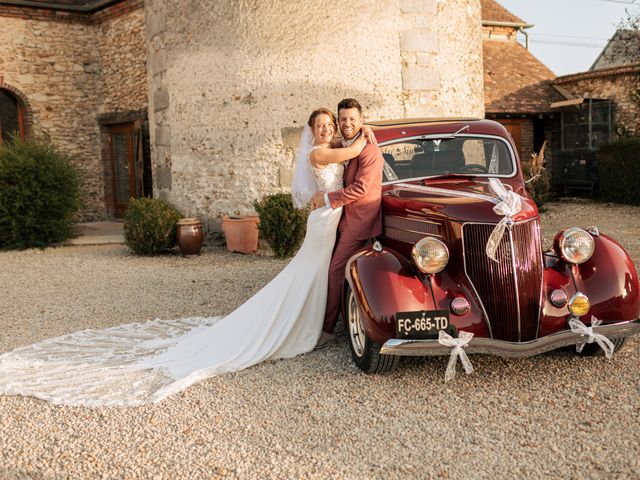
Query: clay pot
{"points": [[241, 232], [189, 233]]}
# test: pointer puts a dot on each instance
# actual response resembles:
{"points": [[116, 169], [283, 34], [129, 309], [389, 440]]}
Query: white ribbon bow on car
{"points": [[511, 203], [457, 343], [578, 327]]}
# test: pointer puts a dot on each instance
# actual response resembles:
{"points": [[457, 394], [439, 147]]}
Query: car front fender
{"points": [[385, 283], [610, 280]]}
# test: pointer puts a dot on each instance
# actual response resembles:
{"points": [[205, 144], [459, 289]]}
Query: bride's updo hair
{"points": [[319, 111]]}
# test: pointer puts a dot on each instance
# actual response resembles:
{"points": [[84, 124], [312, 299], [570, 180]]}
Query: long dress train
{"points": [[145, 362]]}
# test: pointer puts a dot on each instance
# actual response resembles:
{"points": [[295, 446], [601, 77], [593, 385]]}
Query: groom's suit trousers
{"points": [[346, 245]]}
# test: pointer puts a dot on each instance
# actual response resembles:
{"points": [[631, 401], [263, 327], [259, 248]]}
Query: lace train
{"points": [[145, 362], [96, 367]]}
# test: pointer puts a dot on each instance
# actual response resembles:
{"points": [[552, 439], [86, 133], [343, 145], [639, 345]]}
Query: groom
{"points": [[361, 217]]}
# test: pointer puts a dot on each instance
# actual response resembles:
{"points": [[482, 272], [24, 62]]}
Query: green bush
{"points": [[619, 171], [281, 224], [150, 225], [39, 194]]}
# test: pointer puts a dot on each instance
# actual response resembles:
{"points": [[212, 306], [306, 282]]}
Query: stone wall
{"points": [[70, 69], [617, 84], [231, 83], [50, 64]]}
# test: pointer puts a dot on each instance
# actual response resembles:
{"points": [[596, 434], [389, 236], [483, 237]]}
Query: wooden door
{"points": [[514, 127], [126, 165]]}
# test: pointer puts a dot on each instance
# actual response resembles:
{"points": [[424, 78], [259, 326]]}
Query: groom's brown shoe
{"points": [[325, 339]]}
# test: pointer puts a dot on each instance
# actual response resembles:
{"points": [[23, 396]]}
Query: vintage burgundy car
{"points": [[430, 270]]}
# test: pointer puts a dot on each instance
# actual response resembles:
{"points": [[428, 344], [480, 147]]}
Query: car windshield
{"points": [[462, 155]]}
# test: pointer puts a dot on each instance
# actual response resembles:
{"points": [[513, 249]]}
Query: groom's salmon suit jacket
{"points": [[362, 195]]}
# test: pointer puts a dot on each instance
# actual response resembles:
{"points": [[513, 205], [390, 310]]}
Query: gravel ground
{"points": [[315, 416]]}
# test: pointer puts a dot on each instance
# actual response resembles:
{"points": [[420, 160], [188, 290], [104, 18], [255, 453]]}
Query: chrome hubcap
{"points": [[356, 332]]}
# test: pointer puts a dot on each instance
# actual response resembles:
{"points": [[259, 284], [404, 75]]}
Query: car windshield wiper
{"points": [[444, 175], [449, 136]]}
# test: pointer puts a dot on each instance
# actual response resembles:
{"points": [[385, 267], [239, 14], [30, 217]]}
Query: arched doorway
{"points": [[12, 116]]}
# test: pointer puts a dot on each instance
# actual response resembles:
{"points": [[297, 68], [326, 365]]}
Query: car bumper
{"points": [[489, 346]]}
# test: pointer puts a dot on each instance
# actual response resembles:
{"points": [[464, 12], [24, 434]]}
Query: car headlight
{"points": [[430, 255], [575, 245]]}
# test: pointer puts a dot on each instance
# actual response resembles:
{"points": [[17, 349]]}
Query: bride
{"points": [[146, 362]]}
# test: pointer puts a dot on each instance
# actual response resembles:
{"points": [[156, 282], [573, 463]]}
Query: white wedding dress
{"points": [[146, 362]]}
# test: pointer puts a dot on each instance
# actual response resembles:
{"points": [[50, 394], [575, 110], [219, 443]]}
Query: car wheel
{"points": [[593, 349], [364, 352]]}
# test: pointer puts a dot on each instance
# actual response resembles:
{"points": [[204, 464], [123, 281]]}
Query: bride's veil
{"points": [[304, 185]]}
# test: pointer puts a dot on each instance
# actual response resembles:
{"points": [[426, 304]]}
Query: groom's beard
{"points": [[348, 143]]}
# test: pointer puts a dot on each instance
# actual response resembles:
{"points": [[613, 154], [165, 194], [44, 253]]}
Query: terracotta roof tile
{"points": [[493, 11], [514, 80]]}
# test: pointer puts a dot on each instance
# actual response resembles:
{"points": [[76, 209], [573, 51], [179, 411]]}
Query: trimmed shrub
{"points": [[281, 224], [150, 225], [39, 194], [619, 171]]}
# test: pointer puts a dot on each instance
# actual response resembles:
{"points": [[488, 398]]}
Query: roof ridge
{"points": [[491, 10]]}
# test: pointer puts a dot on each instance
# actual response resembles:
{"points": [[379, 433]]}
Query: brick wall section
{"points": [[526, 139], [70, 70]]}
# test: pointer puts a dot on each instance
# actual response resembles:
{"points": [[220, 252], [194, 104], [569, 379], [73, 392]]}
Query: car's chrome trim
{"points": [[502, 348], [515, 280]]}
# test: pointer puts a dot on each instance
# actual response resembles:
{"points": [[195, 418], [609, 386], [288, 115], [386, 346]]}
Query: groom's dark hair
{"points": [[349, 103]]}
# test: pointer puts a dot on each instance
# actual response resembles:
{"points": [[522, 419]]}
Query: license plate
{"points": [[421, 324]]}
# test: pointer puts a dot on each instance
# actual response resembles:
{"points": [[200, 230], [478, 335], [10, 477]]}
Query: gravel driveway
{"points": [[315, 416]]}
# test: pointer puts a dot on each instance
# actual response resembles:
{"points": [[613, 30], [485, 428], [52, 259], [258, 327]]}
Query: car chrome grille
{"points": [[408, 229], [509, 290]]}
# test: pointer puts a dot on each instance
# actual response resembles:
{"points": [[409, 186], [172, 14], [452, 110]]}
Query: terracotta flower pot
{"points": [[189, 233], [241, 232]]}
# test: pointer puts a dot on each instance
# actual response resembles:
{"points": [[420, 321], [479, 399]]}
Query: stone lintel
{"points": [[420, 78], [291, 136], [160, 99], [163, 135], [163, 178], [285, 176], [155, 23], [419, 41], [158, 62]]}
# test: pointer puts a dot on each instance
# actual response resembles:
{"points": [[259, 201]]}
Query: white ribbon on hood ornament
{"points": [[457, 343], [511, 204], [578, 327]]}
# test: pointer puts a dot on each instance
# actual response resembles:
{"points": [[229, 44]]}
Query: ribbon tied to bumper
{"points": [[510, 204], [456, 343], [578, 327]]}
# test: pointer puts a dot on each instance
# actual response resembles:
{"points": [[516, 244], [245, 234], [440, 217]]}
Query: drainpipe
{"points": [[526, 37]]}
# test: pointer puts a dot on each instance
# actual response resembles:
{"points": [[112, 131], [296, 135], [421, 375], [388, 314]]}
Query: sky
{"points": [[568, 35]]}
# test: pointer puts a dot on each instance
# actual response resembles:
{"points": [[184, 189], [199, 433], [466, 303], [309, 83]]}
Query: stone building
{"points": [[225, 86], [77, 76], [597, 106]]}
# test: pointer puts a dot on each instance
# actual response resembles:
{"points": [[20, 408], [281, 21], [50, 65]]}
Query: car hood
{"points": [[463, 200]]}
